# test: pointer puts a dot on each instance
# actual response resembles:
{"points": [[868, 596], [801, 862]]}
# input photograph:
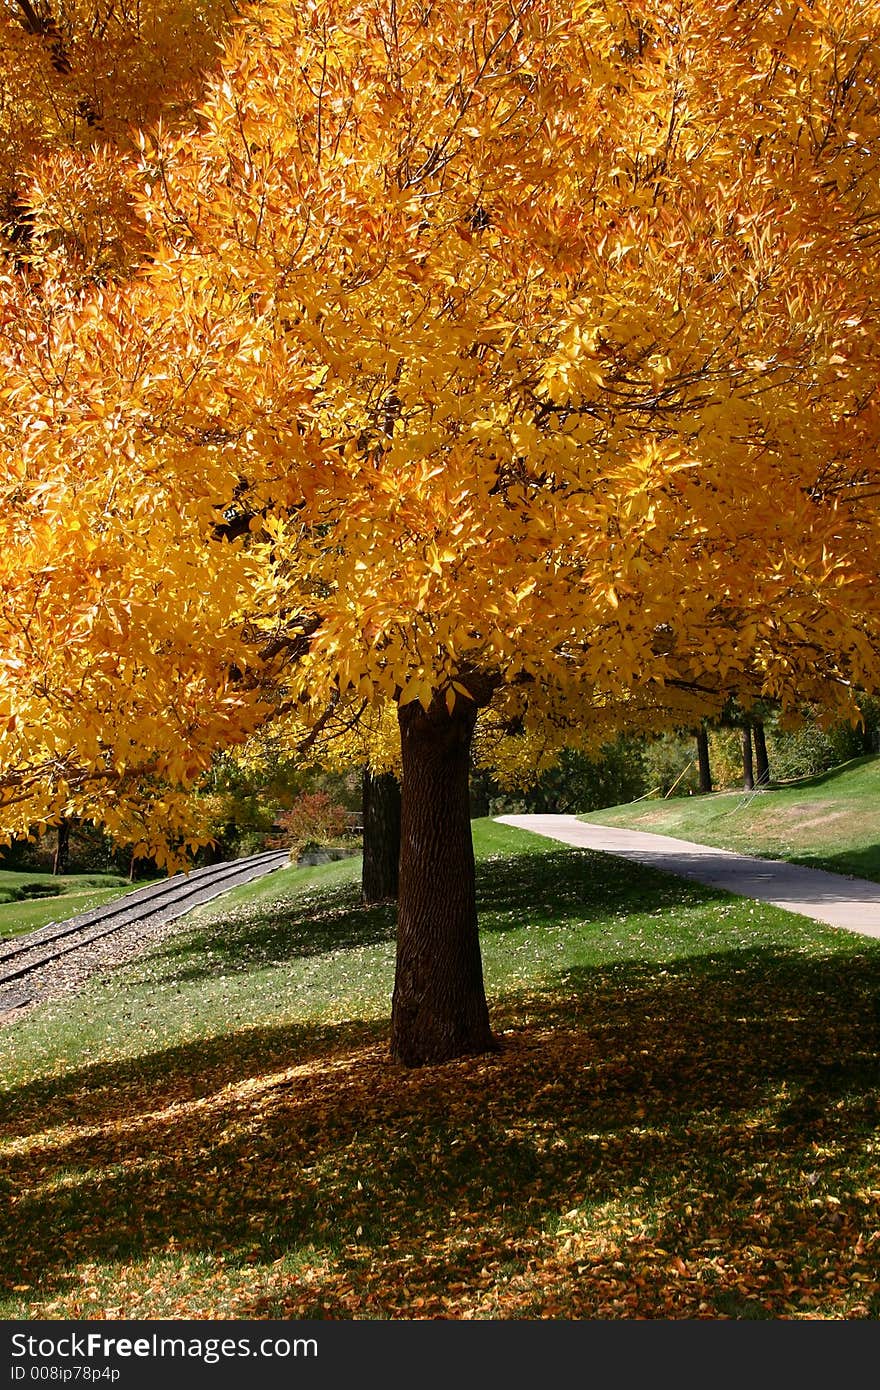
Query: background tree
{"points": [[381, 836], [748, 763], [762, 762], [703, 759], [61, 858]]}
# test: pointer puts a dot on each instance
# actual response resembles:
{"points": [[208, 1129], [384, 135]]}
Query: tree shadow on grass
{"points": [[509, 891], [292, 928], [594, 885], [691, 1139], [190, 1071], [863, 862]]}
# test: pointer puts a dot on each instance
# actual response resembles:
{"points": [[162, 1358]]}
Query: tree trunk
{"points": [[381, 803], [762, 763], [439, 1009], [748, 765], [62, 849], [703, 760]]}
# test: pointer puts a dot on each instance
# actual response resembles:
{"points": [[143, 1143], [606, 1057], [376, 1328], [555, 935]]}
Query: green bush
{"points": [[577, 783], [669, 765], [725, 758], [807, 749], [38, 890]]}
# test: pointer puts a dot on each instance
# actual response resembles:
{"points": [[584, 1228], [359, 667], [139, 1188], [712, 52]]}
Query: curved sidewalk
{"points": [[853, 903]]}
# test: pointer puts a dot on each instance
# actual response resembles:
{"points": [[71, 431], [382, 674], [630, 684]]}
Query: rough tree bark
{"points": [[748, 764], [762, 762], [439, 1008], [381, 807], [703, 760]]}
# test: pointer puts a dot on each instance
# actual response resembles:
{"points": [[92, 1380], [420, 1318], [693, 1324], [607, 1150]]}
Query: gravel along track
{"points": [[59, 957]]}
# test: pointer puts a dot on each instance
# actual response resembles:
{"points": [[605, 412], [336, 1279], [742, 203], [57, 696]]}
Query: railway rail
{"points": [[23, 958]]}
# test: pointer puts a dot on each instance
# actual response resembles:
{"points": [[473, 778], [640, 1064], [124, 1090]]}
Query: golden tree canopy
{"points": [[475, 348]]}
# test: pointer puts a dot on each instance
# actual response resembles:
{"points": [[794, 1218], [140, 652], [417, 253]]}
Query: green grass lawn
{"points": [[829, 822], [30, 900], [682, 1121]]}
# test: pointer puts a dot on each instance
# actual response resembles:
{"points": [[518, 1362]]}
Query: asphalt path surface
{"points": [[836, 899]]}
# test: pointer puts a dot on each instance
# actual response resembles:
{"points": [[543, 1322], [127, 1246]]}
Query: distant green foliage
{"points": [[804, 749], [725, 758], [665, 765], [90, 852], [809, 750], [669, 765], [623, 771], [577, 782], [245, 803]]}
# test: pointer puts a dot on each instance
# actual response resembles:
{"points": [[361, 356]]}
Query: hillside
{"points": [[831, 821]]}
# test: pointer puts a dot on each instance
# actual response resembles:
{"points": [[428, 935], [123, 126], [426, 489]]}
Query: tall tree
{"points": [[520, 354], [747, 758], [762, 762], [62, 847], [380, 874], [703, 762]]}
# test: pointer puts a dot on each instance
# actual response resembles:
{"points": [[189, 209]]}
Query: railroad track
{"points": [[25, 956]]}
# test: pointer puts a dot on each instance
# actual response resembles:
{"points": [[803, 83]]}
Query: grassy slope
{"points": [[830, 822], [66, 896], [681, 1122]]}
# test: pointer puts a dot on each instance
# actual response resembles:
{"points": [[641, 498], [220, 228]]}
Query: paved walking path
{"points": [[853, 903]]}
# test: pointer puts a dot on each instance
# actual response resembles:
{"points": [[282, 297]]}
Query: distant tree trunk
{"points": [[748, 765], [62, 849], [479, 795], [703, 760], [381, 807], [762, 763], [439, 1008]]}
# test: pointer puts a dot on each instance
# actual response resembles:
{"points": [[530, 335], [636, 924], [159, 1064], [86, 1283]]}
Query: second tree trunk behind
{"points": [[381, 807]]}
